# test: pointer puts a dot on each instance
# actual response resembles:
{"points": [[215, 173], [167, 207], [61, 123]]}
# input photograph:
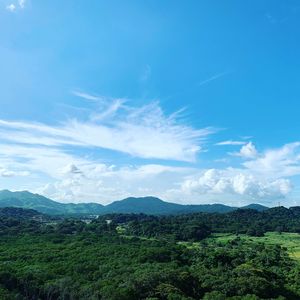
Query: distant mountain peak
{"points": [[147, 205], [146, 199], [256, 206]]}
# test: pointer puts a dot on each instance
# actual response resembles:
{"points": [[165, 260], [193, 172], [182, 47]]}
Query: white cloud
{"points": [[11, 7], [10, 173], [50, 154], [230, 143], [144, 132], [87, 96], [236, 182], [281, 162], [214, 77], [110, 110], [62, 161], [71, 169], [248, 151], [36, 159], [22, 3], [103, 183], [63, 176]]}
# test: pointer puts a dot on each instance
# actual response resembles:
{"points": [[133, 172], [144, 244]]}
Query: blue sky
{"points": [[191, 101]]}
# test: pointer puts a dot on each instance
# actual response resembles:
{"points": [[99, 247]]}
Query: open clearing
{"points": [[291, 241]]}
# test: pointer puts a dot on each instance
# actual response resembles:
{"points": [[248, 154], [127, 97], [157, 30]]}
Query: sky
{"points": [[190, 101]]}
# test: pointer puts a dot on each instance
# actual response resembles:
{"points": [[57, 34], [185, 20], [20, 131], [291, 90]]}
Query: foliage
{"points": [[146, 259], [241, 221], [92, 266]]}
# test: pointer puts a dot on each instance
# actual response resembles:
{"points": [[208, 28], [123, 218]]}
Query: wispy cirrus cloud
{"points": [[144, 132], [59, 158], [212, 78], [86, 96], [230, 143], [50, 153]]}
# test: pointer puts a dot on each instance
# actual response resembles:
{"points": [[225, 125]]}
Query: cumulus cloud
{"points": [[144, 132], [280, 162], [68, 177], [104, 183], [64, 160], [248, 151], [53, 154], [236, 182]]}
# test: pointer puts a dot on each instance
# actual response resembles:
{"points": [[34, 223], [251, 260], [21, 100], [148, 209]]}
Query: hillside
{"points": [[21, 213], [44, 205], [255, 206], [146, 205]]}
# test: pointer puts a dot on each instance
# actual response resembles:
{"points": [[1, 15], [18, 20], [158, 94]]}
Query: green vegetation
{"points": [[186, 227], [92, 266], [146, 205], [134, 257], [290, 241], [44, 205]]}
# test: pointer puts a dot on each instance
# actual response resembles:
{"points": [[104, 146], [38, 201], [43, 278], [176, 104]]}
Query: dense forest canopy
{"points": [[136, 256]]}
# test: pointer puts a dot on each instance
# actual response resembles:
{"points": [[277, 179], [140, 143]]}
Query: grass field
{"points": [[291, 241]]}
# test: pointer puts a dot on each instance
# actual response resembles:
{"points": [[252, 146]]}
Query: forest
{"points": [[136, 256]]}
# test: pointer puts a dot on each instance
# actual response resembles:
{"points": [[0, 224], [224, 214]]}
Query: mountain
{"points": [[257, 207], [146, 205], [44, 205], [21, 213], [156, 206]]}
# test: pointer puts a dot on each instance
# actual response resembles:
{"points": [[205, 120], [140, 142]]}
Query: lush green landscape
{"points": [[290, 241], [147, 205], [149, 150], [136, 256], [92, 266]]}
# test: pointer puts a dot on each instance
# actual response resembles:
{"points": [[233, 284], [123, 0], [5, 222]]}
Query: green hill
{"points": [[44, 205], [156, 206], [146, 205]]}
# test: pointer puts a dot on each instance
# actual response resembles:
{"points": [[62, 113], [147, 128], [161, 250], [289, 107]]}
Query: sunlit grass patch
{"points": [[291, 241]]}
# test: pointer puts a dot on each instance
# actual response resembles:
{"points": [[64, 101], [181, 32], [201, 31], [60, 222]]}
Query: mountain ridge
{"points": [[146, 205]]}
